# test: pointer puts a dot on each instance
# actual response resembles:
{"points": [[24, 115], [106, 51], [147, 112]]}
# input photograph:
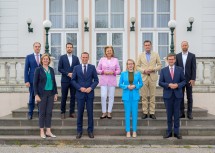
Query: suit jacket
{"points": [[103, 66], [30, 66], [166, 79], [64, 67], [124, 82], [154, 63], [40, 81], [190, 66], [79, 80]]}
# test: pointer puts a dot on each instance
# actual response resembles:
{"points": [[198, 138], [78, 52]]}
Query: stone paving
{"points": [[108, 149]]}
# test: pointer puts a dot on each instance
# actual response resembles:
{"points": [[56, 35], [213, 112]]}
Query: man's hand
{"points": [[88, 90], [27, 84], [173, 85], [192, 82], [83, 89], [69, 75]]}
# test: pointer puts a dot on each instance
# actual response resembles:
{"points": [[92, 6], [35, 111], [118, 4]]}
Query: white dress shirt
{"points": [[184, 59], [70, 59], [83, 67], [35, 56], [171, 68]]}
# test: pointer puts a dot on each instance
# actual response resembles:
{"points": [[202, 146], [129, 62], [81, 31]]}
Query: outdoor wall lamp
{"points": [[132, 28], [29, 21], [86, 28], [47, 25], [191, 20], [172, 25]]}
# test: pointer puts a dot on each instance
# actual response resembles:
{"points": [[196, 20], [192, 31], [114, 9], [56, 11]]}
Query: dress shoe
{"points": [[72, 115], [152, 116], [90, 134], [51, 135], [177, 136], [167, 136], [102, 117], [63, 116], [30, 117], [190, 116], [182, 116], [134, 135], [109, 116], [78, 136], [43, 136], [144, 116], [128, 135]]}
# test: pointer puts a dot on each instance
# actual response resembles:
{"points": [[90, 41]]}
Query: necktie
{"points": [[171, 72], [38, 61], [85, 70]]}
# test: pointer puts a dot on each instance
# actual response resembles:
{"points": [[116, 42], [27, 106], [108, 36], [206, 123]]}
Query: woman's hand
{"points": [[37, 98], [55, 97]]}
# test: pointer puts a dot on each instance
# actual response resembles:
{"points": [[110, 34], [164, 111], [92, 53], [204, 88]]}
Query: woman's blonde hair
{"points": [[131, 60], [107, 48], [45, 55]]}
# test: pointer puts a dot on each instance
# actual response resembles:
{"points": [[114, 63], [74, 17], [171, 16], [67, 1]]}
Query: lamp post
{"points": [[47, 25], [172, 25], [86, 29]]}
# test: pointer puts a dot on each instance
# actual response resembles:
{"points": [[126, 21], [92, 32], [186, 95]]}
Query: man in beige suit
{"points": [[148, 64]]}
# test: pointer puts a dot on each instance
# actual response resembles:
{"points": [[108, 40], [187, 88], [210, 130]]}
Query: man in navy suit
{"points": [[172, 80], [65, 66], [187, 61], [85, 80], [32, 61]]}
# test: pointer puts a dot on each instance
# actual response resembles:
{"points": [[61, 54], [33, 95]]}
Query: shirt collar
{"points": [[172, 67], [84, 64], [184, 53], [36, 54], [69, 55], [148, 53]]}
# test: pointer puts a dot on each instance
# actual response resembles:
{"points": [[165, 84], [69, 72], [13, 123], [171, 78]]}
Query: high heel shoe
{"points": [[134, 135], [102, 117], [128, 134], [43, 136], [51, 135]]}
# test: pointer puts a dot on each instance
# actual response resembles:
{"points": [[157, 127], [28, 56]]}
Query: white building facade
{"points": [[109, 24]]}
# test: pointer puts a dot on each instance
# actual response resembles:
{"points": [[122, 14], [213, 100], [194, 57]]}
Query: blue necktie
{"points": [[85, 70]]}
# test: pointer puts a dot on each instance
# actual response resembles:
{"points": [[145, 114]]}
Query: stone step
{"points": [[22, 112], [116, 98], [109, 131], [118, 121], [116, 105], [106, 140]]}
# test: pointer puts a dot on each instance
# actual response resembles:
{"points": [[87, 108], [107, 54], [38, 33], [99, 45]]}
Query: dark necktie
{"points": [[85, 70]]}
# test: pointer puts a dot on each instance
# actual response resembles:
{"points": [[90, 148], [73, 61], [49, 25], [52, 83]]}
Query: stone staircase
{"points": [[16, 129]]}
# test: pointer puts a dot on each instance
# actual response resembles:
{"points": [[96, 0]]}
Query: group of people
{"points": [[82, 79]]}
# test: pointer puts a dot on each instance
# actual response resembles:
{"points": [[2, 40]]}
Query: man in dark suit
{"points": [[187, 61], [172, 80], [32, 61], [85, 80], [65, 66]]}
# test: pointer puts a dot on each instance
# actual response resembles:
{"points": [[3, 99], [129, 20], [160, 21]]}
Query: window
{"points": [[109, 28], [109, 13], [155, 15], [64, 17]]}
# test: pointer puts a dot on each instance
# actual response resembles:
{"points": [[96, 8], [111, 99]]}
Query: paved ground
{"points": [[107, 149]]}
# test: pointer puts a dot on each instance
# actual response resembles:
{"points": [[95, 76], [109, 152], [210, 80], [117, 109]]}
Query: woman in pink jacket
{"points": [[108, 68]]}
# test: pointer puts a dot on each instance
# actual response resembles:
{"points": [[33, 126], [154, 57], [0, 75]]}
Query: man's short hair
{"points": [[170, 55], [69, 44], [85, 53], [147, 41]]}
